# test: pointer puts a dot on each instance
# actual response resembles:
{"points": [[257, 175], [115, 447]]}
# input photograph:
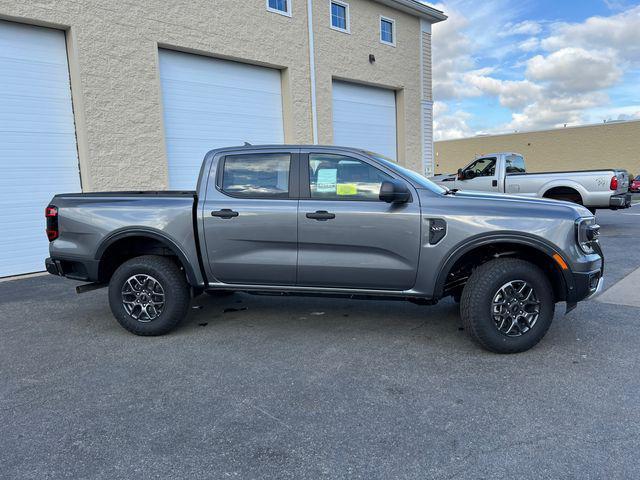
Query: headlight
{"points": [[587, 233]]}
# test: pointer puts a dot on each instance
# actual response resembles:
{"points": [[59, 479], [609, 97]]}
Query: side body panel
{"points": [[259, 245], [89, 222], [593, 186], [470, 217], [368, 244]]}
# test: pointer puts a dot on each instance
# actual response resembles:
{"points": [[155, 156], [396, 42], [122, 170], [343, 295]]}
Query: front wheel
{"points": [[149, 295], [507, 305]]}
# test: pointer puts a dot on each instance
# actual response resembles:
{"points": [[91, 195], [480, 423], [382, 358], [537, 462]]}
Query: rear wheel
{"points": [[507, 305], [149, 295]]}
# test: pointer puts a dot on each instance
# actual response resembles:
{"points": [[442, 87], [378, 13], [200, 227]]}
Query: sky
{"points": [[517, 65]]}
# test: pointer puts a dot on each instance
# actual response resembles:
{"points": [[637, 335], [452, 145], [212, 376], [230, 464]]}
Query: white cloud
{"points": [[528, 27], [448, 125], [565, 81], [511, 94], [620, 32], [529, 45], [555, 111], [575, 70], [458, 40], [451, 56]]}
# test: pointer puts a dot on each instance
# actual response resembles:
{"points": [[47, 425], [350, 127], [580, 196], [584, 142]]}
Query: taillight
{"points": [[51, 214], [614, 183]]}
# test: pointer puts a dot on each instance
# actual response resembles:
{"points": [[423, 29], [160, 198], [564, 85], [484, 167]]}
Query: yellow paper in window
{"points": [[346, 189]]}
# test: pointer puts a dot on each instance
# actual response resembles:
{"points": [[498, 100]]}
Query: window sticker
{"points": [[327, 180], [346, 189]]}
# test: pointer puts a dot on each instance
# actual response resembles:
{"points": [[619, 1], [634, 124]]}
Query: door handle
{"points": [[224, 213], [321, 215]]}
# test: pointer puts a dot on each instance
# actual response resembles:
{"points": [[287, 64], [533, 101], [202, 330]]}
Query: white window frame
{"points": [[281, 12], [346, 13], [393, 30]]}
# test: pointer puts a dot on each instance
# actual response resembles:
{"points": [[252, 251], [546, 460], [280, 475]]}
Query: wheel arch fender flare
{"points": [[563, 183], [154, 234], [527, 240]]}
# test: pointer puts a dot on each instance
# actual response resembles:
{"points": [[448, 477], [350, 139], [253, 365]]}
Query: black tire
{"points": [[219, 293], [173, 284], [477, 302]]}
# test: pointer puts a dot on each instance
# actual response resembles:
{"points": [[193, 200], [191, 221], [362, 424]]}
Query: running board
{"points": [[88, 287]]}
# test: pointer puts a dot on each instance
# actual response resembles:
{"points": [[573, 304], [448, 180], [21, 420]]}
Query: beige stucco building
{"points": [[606, 145], [130, 95], [117, 89]]}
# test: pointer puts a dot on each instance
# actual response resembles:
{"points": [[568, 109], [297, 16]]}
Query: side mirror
{"points": [[460, 174], [394, 191], [469, 175]]}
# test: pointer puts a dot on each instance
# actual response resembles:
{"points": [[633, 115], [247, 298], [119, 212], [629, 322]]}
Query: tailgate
{"points": [[623, 181]]}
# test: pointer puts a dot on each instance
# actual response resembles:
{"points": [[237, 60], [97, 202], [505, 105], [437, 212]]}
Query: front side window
{"points": [[256, 175], [515, 164], [340, 16], [337, 177], [387, 31], [483, 167], [279, 6]]}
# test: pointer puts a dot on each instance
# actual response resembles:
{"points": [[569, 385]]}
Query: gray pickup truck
{"points": [[312, 220], [505, 172]]}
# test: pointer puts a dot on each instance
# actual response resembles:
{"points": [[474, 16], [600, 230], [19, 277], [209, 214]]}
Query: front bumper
{"points": [[598, 290], [622, 200], [587, 285]]}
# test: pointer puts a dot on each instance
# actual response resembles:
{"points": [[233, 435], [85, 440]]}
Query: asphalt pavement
{"points": [[309, 388]]}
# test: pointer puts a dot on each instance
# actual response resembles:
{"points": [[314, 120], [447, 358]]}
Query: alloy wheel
{"points": [[515, 308]]}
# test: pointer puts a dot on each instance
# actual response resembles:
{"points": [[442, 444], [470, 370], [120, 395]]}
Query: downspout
{"points": [[312, 72]]}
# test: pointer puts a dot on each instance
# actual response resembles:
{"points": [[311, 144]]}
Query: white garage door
{"points": [[364, 117], [38, 155], [210, 103]]}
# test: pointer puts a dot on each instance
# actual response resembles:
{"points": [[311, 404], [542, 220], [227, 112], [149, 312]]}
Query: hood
{"points": [[528, 202]]}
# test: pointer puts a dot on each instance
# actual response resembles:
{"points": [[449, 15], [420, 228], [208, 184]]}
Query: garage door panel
{"points": [[364, 117], [210, 103], [37, 140]]}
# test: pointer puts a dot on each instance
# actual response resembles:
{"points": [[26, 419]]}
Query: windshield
{"points": [[421, 180]]}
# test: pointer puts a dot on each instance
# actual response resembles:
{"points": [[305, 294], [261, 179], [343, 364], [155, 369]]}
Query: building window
{"points": [[283, 7], [340, 16], [388, 31]]}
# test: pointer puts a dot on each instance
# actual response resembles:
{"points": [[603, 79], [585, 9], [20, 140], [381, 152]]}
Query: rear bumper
{"points": [[73, 268], [52, 267], [622, 200]]}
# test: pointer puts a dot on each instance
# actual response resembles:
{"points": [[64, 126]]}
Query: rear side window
{"points": [[336, 177], [257, 175], [515, 164]]}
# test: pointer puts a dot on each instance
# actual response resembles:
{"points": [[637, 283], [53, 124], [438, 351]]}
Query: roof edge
{"points": [[543, 130], [417, 8]]}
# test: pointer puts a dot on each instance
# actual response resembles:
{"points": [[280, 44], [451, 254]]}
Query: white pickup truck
{"points": [[505, 172]]}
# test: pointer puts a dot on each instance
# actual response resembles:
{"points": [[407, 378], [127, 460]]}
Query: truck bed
{"points": [[91, 222]]}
